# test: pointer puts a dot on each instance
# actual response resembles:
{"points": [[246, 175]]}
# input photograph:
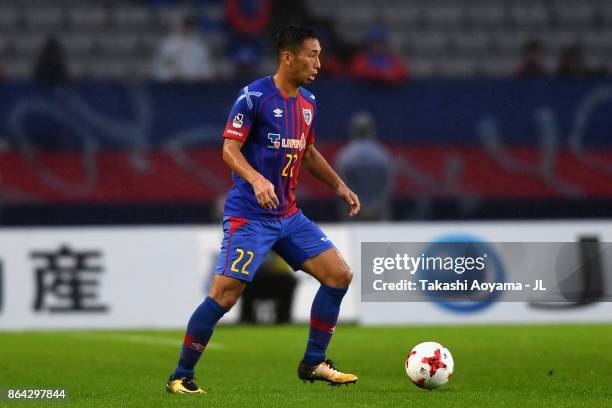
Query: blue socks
{"points": [[199, 330], [323, 318]]}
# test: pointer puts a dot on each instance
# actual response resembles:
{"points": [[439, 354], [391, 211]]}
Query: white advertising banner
{"points": [[120, 277], [156, 276], [98, 277]]}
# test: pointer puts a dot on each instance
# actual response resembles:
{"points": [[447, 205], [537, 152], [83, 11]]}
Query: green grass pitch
{"points": [[495, 366]]}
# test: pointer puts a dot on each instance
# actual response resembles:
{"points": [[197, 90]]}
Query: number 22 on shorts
{"points": [[236, 263]]}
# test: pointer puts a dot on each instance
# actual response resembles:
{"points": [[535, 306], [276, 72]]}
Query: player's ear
{"points": [[286, 57]]}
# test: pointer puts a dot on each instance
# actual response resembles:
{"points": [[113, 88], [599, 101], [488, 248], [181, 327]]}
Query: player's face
{"points": [[306, 63]]}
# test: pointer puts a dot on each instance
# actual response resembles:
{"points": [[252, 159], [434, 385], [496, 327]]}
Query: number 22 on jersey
{"points": [[235, 264], [288, 169]]}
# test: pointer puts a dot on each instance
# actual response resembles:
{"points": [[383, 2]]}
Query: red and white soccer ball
{"points": [[429, 365]]}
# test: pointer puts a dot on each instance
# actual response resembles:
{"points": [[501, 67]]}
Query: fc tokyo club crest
{"points": [[307, 116]]}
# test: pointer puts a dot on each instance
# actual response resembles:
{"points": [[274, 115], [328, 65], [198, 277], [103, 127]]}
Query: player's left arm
{"points": [[316, 165]]}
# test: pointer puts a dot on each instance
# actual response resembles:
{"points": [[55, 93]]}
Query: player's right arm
{"points": [[263, 189]]}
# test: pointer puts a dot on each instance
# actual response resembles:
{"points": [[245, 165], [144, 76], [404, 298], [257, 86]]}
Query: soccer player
{"points": [[269, 136]]}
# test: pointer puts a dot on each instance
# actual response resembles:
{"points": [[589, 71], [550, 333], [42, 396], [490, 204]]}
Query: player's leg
{"points": [[306, 247], [244, 247], [335, 276], [330, 269], [224, 294]]}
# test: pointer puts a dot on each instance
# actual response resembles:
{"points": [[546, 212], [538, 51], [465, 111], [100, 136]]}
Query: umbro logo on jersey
{"points": [[278, 113]]}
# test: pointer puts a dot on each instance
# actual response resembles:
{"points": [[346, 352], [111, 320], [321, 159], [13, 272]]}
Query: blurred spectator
{"points": [[246, 61], [571, 63], [376, 62], [183, 56], [50, 66], [248, 17], [367, 168], [332, 62], [531, 64], [247, 21]]}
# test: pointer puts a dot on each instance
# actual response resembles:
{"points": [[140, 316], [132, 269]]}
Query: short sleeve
{"points": [[241, 116]]}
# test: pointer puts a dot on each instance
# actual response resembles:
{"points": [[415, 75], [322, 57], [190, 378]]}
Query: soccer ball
{"points": [[429, 365]]}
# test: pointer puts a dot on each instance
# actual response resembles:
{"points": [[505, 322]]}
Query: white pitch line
{"points": [[133, 338]]}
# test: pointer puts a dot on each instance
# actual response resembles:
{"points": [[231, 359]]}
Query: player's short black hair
{"points": [[292, 38]]}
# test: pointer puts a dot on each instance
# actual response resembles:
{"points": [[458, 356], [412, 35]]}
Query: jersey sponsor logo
{"points": [[233, 132], [237, 122], [307, 116], [276, 142], [278, 113]]}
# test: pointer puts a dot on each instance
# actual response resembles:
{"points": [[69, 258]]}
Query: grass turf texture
{"points": [[544, 365]]}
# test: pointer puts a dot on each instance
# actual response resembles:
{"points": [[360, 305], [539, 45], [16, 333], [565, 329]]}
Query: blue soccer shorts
{"points": [[246, 243]]}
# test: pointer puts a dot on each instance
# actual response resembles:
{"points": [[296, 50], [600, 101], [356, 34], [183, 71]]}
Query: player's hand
{"points": [[351, 199], [264, 192]]}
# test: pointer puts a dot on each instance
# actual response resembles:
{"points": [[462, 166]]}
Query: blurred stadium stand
{"points": [[469, 141], [117, 39]]}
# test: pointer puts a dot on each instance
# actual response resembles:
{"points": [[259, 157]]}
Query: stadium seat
{"points": [[358, 17], [131, 18], [499, 65], [77, 43], [9, 17], [489, 15], [597, 41], [405, 17], [572, 15], [420, 67], [3, 45], [605, 15], [89, 18], [150, 41], [554, 41], [107, 68], [511, 41], [529, 16], [77, 68], [18, 68], [433, 42], [28, 44], [47, 18], [117, 43], [443, 17], [455, 67], [472, 43]]}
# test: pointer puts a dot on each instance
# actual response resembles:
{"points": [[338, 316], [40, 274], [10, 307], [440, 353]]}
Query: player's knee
{"points": [[225, 298], [342, 277]]}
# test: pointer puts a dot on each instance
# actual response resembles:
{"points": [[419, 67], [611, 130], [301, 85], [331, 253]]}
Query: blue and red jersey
{"points": [[275, 130]]}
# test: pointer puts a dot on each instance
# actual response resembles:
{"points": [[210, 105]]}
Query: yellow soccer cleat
{"points": [[183, 385], [325, 371]]}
